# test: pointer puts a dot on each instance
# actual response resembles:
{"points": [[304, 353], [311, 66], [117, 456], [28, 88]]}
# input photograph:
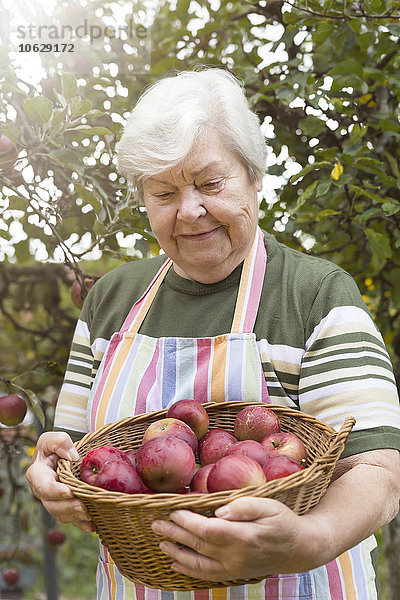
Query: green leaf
{"points": [[312, 126], [350, 65], [46, 368], [38, 109], [67, 158], [393, 164], [285, 93], [370, 165], [391, 208], [69, 86], [328, 212], [22, 252], [309, 168], [35, 405], [358, 132], [323, 188], [393, 28], [12, 132], [351, 80], [367, 214], [182, 6], [18, 203], [379, 243], [79, 106], [359, 191], [306, 195], [89, 197], [389, 125], [96, 113], [92, 130], [57, 116], [326, 153], [322, 31]]}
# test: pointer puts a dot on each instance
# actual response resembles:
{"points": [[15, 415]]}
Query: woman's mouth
{"points": [[199, 236]]}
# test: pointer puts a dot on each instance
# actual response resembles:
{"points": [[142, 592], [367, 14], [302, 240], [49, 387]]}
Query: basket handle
{"points": [[339, 439]]}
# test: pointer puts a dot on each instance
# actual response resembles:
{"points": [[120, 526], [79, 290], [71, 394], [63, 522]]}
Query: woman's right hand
{"points": [[42, 477]]}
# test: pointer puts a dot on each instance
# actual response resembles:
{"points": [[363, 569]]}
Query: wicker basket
{"points": [[123, 521]]}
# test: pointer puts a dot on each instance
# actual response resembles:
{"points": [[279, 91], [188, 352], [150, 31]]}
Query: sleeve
{"points": [[72, 402], [346, 369]]}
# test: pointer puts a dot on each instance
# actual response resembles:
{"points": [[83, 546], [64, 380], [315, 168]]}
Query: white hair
{"points": [[175, 112]]}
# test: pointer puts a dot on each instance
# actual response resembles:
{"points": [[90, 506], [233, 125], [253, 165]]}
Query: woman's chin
{"points": [[207, 270]]}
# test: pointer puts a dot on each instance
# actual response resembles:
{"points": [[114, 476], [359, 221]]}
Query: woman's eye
{"points": [[164, 195], [211, 185]]}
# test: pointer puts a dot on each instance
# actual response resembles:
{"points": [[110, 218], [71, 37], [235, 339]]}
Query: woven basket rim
{"points": [[84, 490]]}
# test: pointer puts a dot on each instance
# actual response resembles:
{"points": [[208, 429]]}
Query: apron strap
{"points": [[248, 298], [139, 310], [251, 284]]}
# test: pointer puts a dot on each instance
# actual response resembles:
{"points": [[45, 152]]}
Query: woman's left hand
{"points": [[253, 538]]}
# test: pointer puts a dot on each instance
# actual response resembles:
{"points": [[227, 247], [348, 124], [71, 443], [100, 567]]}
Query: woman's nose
{"points": [[191, 205]]}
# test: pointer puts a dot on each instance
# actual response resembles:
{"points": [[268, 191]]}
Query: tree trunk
{"points": [[391, 546]]}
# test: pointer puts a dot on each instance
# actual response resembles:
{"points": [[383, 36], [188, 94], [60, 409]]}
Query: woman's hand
{"points": [[56, 497], [259, 536], [249, 538]]}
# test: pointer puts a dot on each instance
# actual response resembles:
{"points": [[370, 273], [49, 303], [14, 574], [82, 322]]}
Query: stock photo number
{"points": [[46, 48]]}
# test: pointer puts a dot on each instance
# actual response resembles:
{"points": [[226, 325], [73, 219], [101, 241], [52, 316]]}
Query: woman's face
{"points": [[204, 211]]}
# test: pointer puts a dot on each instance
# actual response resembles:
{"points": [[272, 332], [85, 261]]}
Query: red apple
{"points": [[171, 426], [234, 472], [12, 410], [215, 446], [193, 414], [120, 476], [255, 423], [48, 85], [166, 463], [10, 575], [78, 293], [199, 481], [131, 454], [55, 537], [249, 448], [96, 459], [281, 466], [211, 434], [286, 443], [8, 153]]}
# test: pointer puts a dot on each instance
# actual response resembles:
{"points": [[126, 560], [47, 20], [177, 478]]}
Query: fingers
{"points": [[56, 497], [85, 526], [58, 443], [44, 485], [41, 475], [191, 563], [70, 511], [180, 535], [67, 511], [207, 529], [251, 509]]}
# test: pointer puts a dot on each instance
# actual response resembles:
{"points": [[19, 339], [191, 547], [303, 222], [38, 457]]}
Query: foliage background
{"points": [[323, 75]]}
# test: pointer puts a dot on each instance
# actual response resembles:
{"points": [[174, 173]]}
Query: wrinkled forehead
{"points": [[208, 156]]}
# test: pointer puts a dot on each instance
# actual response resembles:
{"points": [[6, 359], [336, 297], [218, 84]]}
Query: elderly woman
{"points": [[228, 313]]}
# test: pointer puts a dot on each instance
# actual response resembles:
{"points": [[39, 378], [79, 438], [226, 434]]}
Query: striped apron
{"points": [[140, 374]]}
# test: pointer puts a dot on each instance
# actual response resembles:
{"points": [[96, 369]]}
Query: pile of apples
{"points": [[256, 452]]}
